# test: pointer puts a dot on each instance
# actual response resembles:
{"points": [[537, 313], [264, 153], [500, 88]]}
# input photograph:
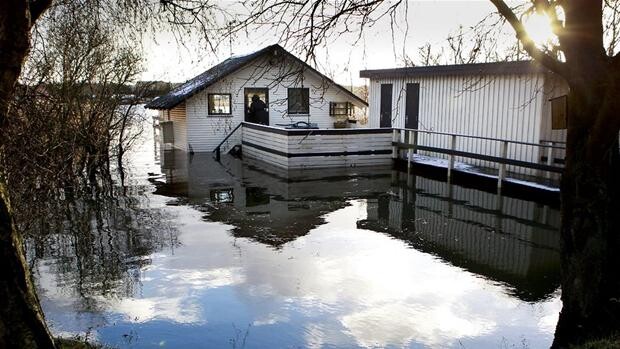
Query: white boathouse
{"points": [[514, 101]]}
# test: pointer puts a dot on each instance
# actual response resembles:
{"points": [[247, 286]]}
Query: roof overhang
{"points": [[497, 68]]}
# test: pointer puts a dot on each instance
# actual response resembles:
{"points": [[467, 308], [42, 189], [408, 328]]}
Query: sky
{"points": [[430, 21]]}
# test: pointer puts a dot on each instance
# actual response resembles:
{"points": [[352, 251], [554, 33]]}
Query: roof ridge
{"points": [[220, 70]]}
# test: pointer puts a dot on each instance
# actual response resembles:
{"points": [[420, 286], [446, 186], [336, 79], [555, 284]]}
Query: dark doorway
{"points": [[386, 106], [412, 107], [256, 105]]}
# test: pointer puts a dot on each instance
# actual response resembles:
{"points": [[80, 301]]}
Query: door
{"points": [[256, 105], [412, 105], [386, 106]]}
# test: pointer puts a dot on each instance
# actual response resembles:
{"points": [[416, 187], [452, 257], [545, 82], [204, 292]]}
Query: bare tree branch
{"points": [[528, 44]]}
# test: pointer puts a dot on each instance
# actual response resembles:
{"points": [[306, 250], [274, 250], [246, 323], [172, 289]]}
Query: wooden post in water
{"points": [[502, 167], [451, 156]]}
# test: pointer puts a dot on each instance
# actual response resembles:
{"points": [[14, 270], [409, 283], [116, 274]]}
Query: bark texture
{"points": [[21, 320], [590, 239]]}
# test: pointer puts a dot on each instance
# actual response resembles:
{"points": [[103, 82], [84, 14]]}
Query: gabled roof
{"points": [[496, 68], [230, 65]]}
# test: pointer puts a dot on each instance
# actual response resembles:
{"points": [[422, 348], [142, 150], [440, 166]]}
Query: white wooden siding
{"points": [[179, 124], [205, 132], [316, 143], [267, 140], [498, 106]]}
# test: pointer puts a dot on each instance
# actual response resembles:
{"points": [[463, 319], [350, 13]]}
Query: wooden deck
{"points": [[534, 165], [325, 148]]}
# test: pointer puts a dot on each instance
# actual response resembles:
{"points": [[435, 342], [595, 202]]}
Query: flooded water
{"points": [[241, 255]]}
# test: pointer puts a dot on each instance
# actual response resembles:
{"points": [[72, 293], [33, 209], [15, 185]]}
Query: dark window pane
{"points": [[298, 101]]}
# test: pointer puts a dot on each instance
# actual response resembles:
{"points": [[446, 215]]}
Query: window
{"points": [[298, 101], [340, 109], [558, 113], [219, 104], [222, 196]]}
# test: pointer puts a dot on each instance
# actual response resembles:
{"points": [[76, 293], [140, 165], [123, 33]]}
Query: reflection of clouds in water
{"points": [[314, 336], [339, 285], [548, 320], [385, 292], [270, 319], [176, 301], [399, 323], [178, 309], [201, 279]]}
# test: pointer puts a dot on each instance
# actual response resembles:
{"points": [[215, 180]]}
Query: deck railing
{"points": [[217, 149], [523, 158]]}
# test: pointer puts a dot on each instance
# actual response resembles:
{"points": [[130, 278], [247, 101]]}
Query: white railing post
{"points": [[451, 156], [410, 151], [395, 139], [549, 158], [502, 166]]}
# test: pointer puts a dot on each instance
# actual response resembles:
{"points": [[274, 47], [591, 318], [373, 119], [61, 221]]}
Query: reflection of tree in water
{"points": [[98, 244]]}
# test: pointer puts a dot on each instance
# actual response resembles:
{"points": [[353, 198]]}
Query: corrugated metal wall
{"points": [[506, 234], [498, 106]]}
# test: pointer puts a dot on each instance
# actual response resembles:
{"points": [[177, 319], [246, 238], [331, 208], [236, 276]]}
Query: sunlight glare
{"points": [[539, 28]]}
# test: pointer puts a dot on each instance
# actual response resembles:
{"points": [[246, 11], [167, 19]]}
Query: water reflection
{"points": [[264, 203], [508, 240], [341, 258]]}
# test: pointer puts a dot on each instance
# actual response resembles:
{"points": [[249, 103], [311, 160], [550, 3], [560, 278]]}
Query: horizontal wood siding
{"points": [[205, 132], [498, 106], [300, 151], [179, 123], [265, 139]]}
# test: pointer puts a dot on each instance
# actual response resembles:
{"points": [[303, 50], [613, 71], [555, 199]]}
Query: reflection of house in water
{"points": [[508, 240], [267, 204], [505, 239]]}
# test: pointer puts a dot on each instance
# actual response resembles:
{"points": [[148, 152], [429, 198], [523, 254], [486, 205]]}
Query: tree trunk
{"points": [[590, 240], [21, 319]]}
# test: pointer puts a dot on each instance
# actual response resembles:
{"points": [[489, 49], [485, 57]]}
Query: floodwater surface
{"points": [[241, 255]]}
